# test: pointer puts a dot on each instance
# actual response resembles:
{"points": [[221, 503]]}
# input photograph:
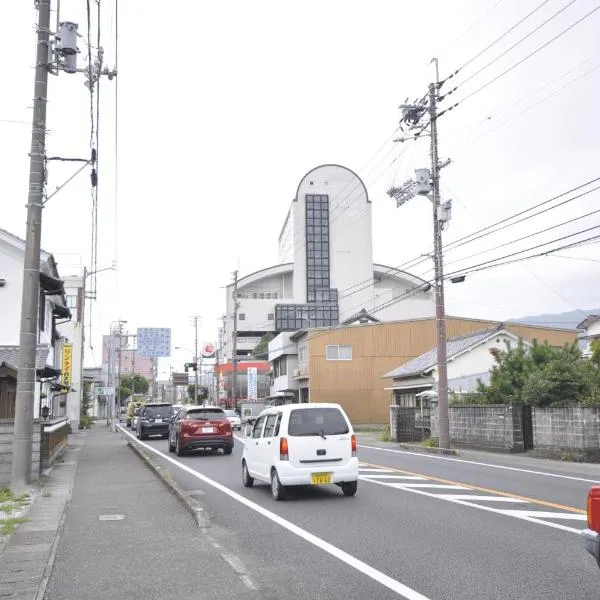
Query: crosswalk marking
{"points": [[403, 477], [538, 514], [475, 497]]}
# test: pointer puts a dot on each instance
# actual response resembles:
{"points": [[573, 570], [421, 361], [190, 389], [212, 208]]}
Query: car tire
{"points": [[246, 479], [141, 435], [350, 488], [228, 449], [277, 490], [171, 447], [179, 450]]}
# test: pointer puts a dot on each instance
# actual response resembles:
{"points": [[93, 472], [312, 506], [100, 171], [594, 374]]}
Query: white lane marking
{"points": [[403, 477], [546, 514], [481, 464], [352, 561], [435, 486], [474, 498], [498, 511], [374, 470]]}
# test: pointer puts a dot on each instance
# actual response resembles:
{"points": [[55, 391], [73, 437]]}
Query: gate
{"points": [[527, 419]]}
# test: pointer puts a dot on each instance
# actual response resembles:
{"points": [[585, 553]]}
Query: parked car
{"points": [[301, 444], [153, 419], [591, 535], [234, 419], [196, 427]]}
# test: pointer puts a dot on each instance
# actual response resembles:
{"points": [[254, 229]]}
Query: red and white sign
{"points": [[208, 350]]}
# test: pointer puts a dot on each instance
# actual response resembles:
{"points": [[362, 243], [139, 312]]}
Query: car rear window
{"points": [[205, 415], [158, 411], [317, 421]]}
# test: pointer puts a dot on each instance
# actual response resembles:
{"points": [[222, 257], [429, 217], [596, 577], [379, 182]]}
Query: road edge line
{"points": [[197, 510]]}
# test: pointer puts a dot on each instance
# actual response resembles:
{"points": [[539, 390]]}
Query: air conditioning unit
{"points": [[296, 372]]}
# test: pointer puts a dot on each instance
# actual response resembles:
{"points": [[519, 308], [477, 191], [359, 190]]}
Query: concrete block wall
{"points": [[564, 429], [7, 427], [494, 427]]}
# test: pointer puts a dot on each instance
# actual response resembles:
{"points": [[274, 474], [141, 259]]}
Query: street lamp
{"points": [[195, 371]]}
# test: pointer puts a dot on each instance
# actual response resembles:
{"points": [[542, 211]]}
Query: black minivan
{"points": [[153, 419]]}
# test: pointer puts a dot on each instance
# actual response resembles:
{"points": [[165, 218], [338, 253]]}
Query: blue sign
{"points": [[154, 341], [252, 383]]}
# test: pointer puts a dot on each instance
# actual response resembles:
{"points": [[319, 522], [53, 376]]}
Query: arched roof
{"points": [[392, 273], [265, 273], [337, 166]]}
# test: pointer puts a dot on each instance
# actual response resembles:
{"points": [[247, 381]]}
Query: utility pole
{"points": [[118, 390], [195, 319], [440, 310], [234, 341], [133, 352], [428, 184], [26, 375]]}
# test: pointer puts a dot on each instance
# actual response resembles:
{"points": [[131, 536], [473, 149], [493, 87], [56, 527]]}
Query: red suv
{"points": [[200, 427]]}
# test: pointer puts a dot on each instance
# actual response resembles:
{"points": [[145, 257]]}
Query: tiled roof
{"points": [[426, 362], [588, 321], [9, 356]]}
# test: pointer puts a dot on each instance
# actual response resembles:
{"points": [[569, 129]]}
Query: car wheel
{"points": [[228, 449], [277, 490], [246, 479], [142, 436], [178, 447], [171, 447], [349, 488]]}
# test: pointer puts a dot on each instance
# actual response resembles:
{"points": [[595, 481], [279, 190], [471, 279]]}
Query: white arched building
{"points": [[327, 275]]}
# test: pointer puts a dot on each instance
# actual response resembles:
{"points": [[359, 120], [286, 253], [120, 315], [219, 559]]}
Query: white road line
{"points": [[474, 498], [434, 486], [498, 511], [403, 477], [374, 470], [355, 563], [481, 464], [546, 514]]}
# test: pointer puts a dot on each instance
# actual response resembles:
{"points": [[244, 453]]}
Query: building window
{"points": [[242, 316], [72, 301], [339, 352], [302, 354], [42, 311], [270, 316]]}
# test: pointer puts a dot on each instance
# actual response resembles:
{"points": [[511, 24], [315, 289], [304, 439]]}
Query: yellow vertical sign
{"points": [[67, 365]]}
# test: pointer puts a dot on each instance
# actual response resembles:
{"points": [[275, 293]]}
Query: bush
{"points": [[85, 422], [431, 443]]}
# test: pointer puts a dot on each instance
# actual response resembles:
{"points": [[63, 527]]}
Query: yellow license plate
{"points": [[320, 478]]}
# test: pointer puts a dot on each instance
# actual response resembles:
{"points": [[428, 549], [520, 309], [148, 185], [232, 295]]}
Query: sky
{"points": [[222, 106]]}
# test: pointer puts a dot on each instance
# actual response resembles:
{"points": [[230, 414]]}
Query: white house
{"points": [[52, 308], [591, 326], [327, 274], [469, 359]]}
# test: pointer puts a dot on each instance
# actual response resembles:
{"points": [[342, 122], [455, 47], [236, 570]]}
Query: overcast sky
{"points": [[225, 105]]}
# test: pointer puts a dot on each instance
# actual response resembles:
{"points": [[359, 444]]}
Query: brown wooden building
{"points": [[353, 376]]}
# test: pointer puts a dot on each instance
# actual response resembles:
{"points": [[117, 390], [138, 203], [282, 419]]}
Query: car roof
{"points": [[286, 408], [158, 404]]}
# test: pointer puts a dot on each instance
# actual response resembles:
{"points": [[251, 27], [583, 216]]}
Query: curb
{"points": [[443, 451], [198, 512]]}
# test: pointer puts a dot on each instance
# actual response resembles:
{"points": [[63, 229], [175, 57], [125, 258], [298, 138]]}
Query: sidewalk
{"points": [[122, 535]]}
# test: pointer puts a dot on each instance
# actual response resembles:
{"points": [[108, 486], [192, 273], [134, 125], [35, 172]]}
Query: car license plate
{"points": [[158, 420], [320, 478], [207, 429]]}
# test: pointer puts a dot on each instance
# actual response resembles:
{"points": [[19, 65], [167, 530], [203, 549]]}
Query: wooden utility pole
{"points": [[234, 341]]}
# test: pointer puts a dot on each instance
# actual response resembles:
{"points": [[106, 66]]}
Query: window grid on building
{"points": [[317, 242], [292, 317]]}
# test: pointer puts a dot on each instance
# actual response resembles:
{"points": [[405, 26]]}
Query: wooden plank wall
{"points": [[378, 348]]}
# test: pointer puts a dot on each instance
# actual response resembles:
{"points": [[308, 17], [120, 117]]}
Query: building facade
{"points": [[348, 364], [327, 274]]}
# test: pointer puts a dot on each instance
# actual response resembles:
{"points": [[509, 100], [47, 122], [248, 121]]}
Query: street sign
{"points": [[67, 365], [154, 341], [252, 383], [208, 350], [180, 378], [104, 391]]}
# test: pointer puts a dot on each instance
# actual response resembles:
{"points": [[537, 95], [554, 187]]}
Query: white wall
{"points": [[350, 229], [11, 267], [592, 333]]}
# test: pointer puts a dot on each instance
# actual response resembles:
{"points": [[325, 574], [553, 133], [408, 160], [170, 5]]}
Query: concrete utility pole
{"points": [[234, 341], [26, 375], [440, 310], [428, 184], [195, 319]]}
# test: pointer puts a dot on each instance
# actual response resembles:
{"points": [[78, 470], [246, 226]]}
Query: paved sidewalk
{"points": [[123, 535]]}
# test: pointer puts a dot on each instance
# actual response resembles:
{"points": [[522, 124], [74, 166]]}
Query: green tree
{"points": [[261, 350], [202, 392], [595, 347], [140, 385]]}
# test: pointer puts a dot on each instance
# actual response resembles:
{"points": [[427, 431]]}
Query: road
{"points": [[422, 527]]}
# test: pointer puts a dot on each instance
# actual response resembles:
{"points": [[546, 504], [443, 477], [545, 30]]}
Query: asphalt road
{"points": [[421, 527]]}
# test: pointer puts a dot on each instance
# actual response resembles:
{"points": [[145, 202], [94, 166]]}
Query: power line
{"points": [[520, 62], [468, 269], [577, 258], [508, 49]]}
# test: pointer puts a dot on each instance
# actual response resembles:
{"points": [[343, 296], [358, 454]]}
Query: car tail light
{"points": [[283, 449], [593, 509], [353, 442]]}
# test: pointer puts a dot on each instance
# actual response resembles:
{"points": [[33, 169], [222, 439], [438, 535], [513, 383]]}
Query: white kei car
{"points": [[301, 444]]}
